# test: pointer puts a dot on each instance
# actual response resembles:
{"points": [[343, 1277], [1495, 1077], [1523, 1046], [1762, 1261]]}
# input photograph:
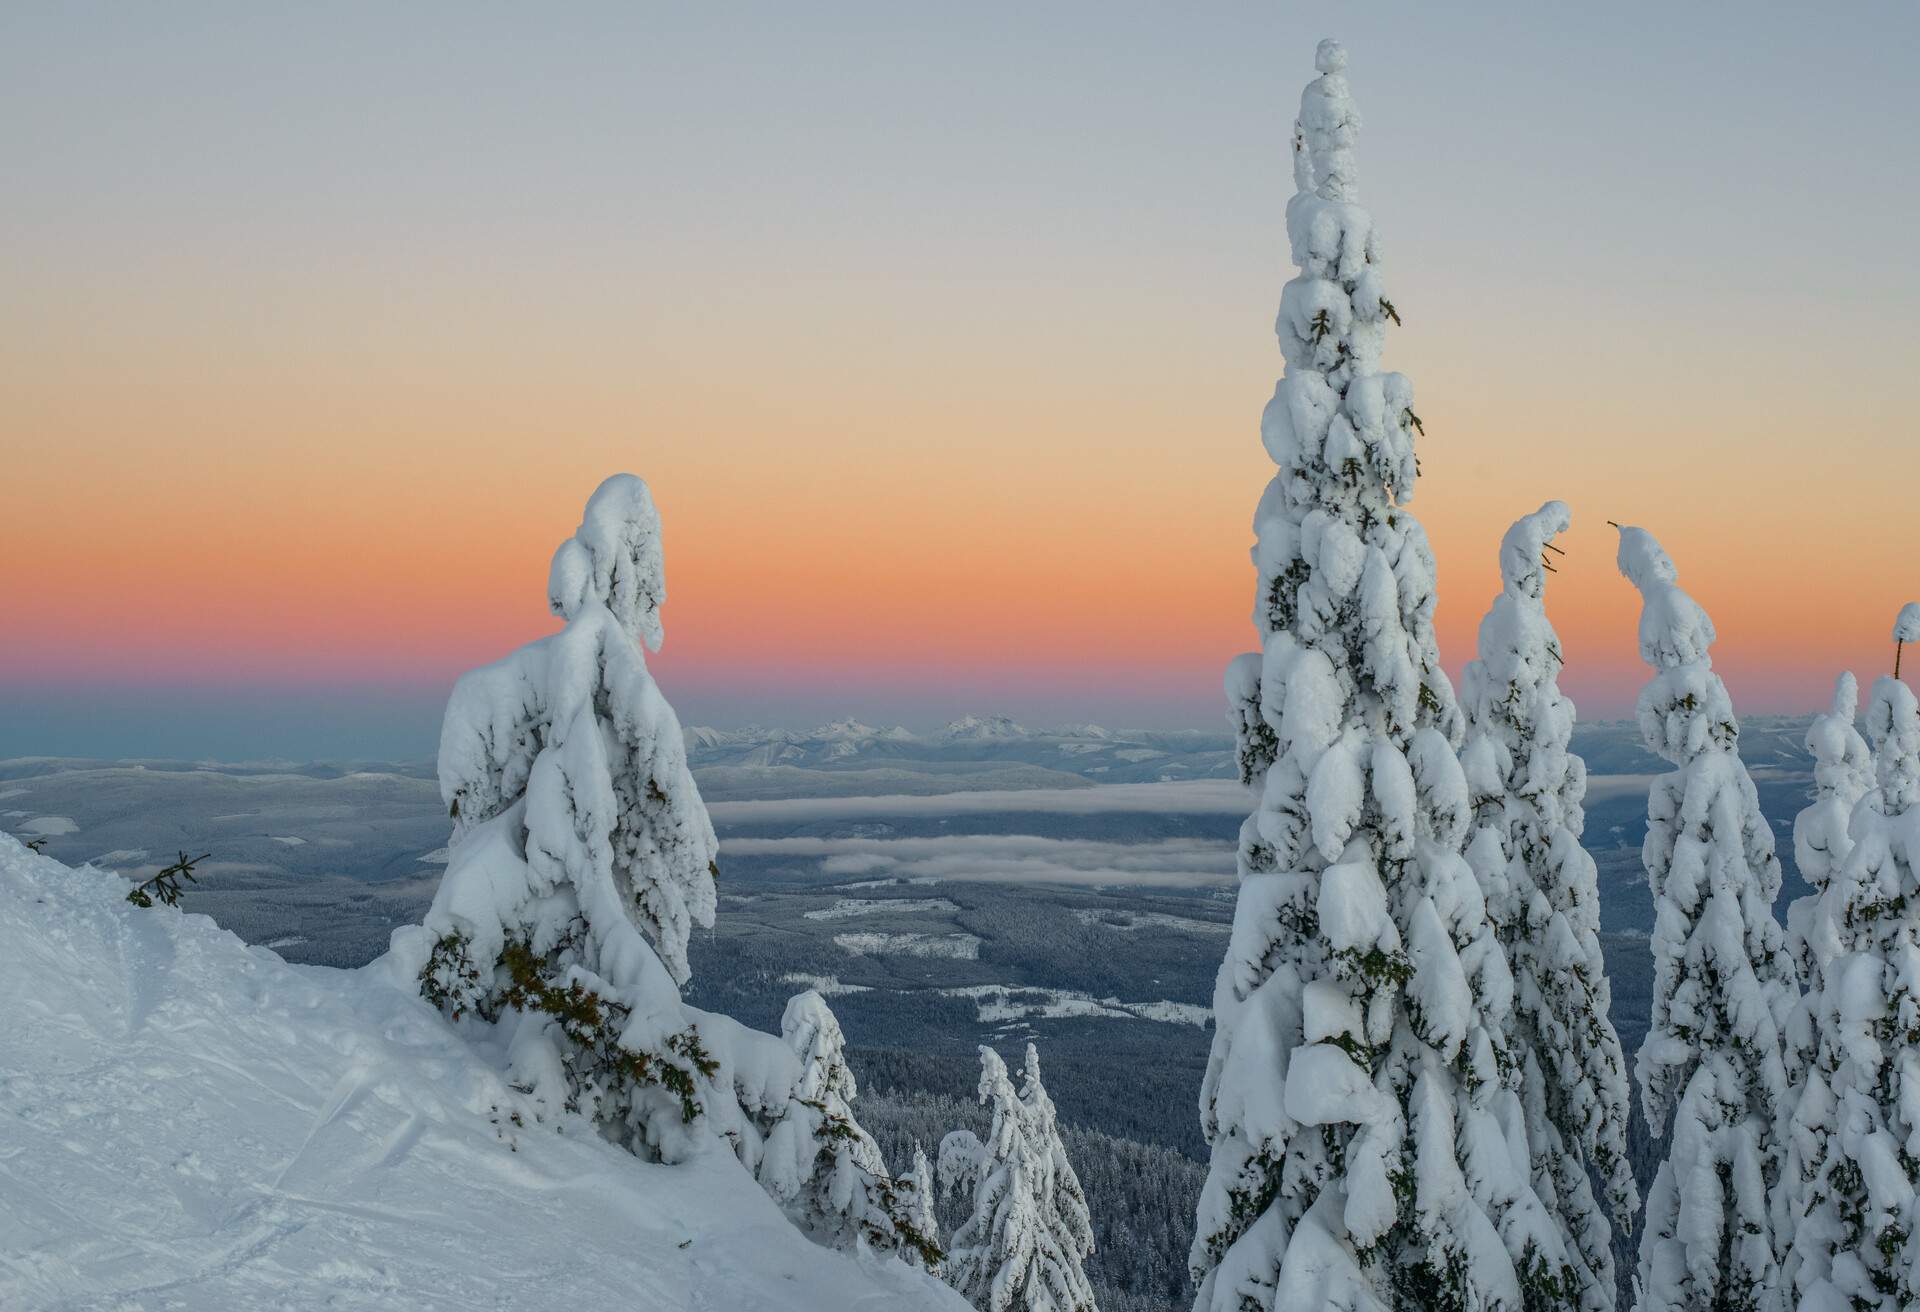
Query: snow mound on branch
{"points": [[192, 1122], [1906, 626]]}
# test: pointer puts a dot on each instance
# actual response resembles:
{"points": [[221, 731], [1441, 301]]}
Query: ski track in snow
{"points": [[190, 1123]]}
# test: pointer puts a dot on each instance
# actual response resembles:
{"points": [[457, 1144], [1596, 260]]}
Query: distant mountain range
{"points": [[975, 746]]}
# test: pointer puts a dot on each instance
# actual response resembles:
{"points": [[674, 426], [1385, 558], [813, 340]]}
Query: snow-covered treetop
{"points": [[1674, 630], [813, 1032], [1893, 722], [1840, 765], [1685, 709], [1906, 628], [1523, 570], [614, 559]]}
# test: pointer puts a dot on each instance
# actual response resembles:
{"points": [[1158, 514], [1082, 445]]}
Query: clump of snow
{"points": [[957, 947], [191, 1122], [848, 908], [1906, 625]]}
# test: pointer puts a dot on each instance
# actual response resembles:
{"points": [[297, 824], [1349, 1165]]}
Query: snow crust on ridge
{"points": [[191, 1122]]}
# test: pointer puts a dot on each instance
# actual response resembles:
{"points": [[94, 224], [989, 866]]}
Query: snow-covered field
{"points": [[1133, 920], [999, 1003], [958, 947], [190, 1123], [849, 907]]}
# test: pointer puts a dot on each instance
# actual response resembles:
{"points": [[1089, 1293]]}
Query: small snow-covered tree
{"points": [[1024, 1246], [1364, 1154], [821, 1165], [1527, 788], [1712, 1065], [920, 1213], [1855, 1138], [581, 858]]}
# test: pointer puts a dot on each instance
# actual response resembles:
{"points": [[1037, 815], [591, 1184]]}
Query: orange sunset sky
{"points": [[941, 337]]}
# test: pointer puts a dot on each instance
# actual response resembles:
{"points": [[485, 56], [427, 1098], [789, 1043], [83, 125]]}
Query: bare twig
{"points": [[165, 885]]}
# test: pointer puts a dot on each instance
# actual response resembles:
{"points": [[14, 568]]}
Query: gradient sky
{"points": [[941, 332]]}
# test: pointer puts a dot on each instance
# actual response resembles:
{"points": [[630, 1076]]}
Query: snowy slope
{"points": [[187, 1122]]}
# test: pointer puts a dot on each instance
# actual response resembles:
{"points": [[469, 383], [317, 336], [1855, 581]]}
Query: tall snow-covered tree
{"points": [[1527, 788], [1855, 1139], [820, 1164], [1842, 775], [581, 858], [1354, 1096], [1817, 936], [1713, 1065], [1025, 1244]]}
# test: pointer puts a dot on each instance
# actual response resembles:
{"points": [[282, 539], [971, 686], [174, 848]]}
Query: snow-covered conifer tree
{"points": [[1854, 1156], [581, 858], [1024, 1246], [1842, 775], [1712, 1065], [920, 1213], [1353, 1095], [1542, 893], [820, 1164]]}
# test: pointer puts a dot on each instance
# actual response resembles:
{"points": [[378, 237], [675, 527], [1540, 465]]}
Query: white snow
{"points": [[290, 841], [999, 1003], [1130, 921], [192, 1123], [827, 986], [958, 947], [121, 856], [437, 857], [849, 907], [50, 826]]}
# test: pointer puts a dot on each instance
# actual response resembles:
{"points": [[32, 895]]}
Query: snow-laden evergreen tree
{"points": [[1355, 1093], [1542, 892], [1842, 775], [581, 858], [920, 1214], [820, 1165], [1025, 1244], [1712, 1066], [1855, 1139]]}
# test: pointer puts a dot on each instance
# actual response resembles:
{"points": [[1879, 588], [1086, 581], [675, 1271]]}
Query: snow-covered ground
{"points": [[187, 1122], [1002, 1002], [959, 947], [848, 907]]}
